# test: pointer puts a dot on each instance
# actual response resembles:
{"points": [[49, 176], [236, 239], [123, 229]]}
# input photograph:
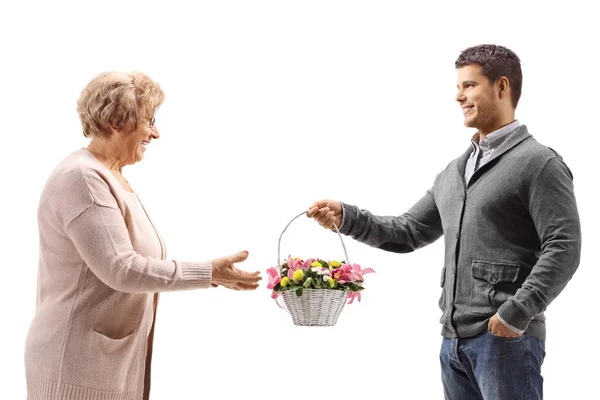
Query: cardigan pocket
{"points": [[492, 284], [115, 360], [111, 341]]}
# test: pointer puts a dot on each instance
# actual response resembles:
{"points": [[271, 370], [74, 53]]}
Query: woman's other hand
{"points": [[224, 273]]}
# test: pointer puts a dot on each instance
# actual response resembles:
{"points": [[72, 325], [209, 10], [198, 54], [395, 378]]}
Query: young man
{"points": [[512, 236]]}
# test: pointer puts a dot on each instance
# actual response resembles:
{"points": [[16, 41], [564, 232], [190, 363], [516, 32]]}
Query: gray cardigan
{"points": [[512, 236]]}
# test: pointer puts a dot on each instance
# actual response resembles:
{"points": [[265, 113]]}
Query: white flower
{"points": [[326, 278], [324, 271]]}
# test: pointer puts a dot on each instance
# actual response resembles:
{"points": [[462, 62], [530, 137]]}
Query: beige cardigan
{"points": [[101, 263]]}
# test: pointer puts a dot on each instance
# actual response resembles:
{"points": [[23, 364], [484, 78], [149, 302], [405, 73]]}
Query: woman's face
{"points": [[135, 142]]}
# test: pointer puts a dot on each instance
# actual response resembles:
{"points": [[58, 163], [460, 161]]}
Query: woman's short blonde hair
{"points": [[117, 100]]}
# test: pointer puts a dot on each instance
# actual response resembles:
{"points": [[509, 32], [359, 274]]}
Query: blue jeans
{"points": [[487, 367]]}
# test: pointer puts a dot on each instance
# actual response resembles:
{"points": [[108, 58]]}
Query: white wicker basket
{"points": [[315, 307]]}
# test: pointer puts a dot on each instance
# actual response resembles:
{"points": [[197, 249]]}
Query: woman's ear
{"points": [[116, 131]]}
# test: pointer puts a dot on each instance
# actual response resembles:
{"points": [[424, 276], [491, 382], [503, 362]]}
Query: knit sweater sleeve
{"points": [[101, 238], [554, 213], [419, 226]]}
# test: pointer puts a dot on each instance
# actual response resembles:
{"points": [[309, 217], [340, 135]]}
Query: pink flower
{"points": [[274, 277], [344, 274], [294, 264], [307, 263]]}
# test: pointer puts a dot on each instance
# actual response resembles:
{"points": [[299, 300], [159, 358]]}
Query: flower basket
{"points": [[315, 307], [314, 291]]}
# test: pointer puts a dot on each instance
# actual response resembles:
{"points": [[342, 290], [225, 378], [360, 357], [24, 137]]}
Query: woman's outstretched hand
{"points": [[224, 273]]}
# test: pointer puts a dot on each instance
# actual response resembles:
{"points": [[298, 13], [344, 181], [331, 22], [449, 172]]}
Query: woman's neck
{"points": [[107, 155]]}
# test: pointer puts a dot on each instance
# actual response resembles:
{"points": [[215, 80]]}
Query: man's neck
{"points": [[483, 132]]}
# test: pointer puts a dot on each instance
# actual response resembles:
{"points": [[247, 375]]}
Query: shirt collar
{"points": [[495, 138]]}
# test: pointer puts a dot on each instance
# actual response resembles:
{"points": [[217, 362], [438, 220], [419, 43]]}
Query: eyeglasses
{"points": [[152, 121]]}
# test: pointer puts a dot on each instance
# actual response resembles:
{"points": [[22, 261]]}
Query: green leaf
{"points": [[308, 282], [299, 292], [324, 264]]}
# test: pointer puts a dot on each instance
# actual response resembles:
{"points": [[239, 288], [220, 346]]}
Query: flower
{"points": [[297, 274], [295, 264], [344, 273]]}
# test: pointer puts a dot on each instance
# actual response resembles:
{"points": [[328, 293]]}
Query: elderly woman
{"points": [[102, 260]]}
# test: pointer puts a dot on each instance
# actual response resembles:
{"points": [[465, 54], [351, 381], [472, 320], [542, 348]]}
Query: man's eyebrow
{"points": [[467, 82]]}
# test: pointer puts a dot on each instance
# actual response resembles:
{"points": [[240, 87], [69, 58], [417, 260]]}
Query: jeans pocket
{"points": [[492, 284], [506, 339]]}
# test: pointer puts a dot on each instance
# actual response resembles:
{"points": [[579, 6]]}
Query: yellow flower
{"points": [[335, 264], [285, 281], [298, 276], [316, 264], [331, 283]]}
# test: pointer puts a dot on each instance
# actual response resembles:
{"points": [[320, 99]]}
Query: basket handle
{"points": [[302, 213]]}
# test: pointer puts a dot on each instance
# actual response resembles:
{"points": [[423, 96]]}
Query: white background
{"points": [[271, 105]]}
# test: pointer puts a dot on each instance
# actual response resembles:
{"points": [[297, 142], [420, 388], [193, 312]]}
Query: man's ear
{"points": [[503, 87]]}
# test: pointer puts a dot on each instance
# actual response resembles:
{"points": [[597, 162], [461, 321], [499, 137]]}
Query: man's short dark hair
{"points": [[495, 62]]}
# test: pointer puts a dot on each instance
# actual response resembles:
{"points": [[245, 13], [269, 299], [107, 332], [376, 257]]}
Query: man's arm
{"points": [[418, 227], [554, 213]]}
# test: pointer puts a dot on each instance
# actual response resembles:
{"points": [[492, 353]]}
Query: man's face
{"points": [[477, 98]]}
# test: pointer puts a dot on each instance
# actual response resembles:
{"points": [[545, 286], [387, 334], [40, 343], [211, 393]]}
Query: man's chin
{"points": [[469, 122]]}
